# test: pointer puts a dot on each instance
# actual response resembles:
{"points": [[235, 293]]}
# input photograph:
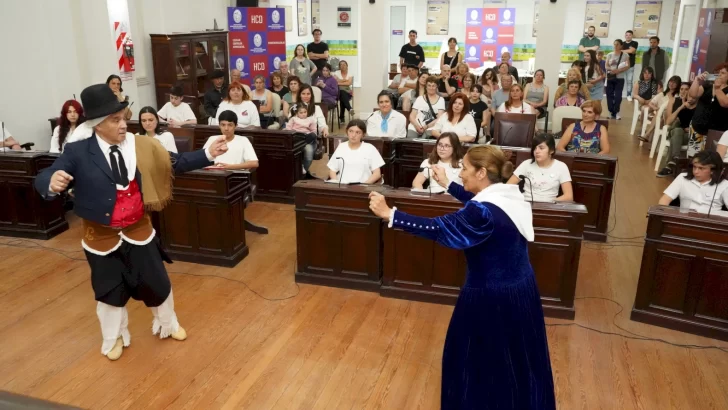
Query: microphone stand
{"points": [[710, 205], [429, 179], [530, 186], [343, 164]]}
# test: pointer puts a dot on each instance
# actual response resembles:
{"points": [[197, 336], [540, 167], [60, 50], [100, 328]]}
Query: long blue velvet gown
{"points": [[496, 355]]}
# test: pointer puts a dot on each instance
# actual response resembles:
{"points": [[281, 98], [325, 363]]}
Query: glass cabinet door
{"points": [[182, 60], [219, 56]]}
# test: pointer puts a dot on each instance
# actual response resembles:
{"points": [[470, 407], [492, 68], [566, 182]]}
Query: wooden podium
{"points": [[205, 222], [23, 213]]}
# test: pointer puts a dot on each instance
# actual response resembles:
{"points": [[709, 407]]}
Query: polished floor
{"points": [[259, 341]]}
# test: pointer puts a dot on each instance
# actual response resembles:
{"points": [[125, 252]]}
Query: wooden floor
{"points": [[326, 348]]}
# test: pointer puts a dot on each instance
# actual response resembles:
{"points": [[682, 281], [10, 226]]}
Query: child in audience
{"points": [[176, 112], [300, 120]]}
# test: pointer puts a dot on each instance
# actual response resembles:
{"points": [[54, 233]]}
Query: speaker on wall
{"points": [[246, 3]]}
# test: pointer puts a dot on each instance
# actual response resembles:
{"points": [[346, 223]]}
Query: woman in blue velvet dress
{"points": [[496, 355]]}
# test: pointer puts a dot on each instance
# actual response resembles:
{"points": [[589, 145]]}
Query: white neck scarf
{"points": [[510, 200]]}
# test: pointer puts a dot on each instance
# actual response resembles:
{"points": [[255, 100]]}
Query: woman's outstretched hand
{"points": [[378, 205]]}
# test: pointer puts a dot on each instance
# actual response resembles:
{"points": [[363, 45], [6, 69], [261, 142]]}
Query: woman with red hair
{"points": [[71, 117]]}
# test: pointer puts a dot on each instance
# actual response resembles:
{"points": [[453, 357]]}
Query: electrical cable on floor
{"points": [[634, 336]]}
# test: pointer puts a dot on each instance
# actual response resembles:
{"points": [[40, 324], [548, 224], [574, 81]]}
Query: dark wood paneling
{"points": [[23, 213], [683, 280], [405, 266]]}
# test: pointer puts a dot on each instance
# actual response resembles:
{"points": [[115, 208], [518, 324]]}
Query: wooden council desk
{"points": [[683, 282], [341, 243], [205, 221], [23, 213]]}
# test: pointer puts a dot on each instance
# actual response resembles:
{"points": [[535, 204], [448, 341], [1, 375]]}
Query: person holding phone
{"points": [[425, 111], [712, 110]]}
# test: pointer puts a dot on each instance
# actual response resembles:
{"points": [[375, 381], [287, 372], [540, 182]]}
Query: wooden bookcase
{"points": [[187, 60]]}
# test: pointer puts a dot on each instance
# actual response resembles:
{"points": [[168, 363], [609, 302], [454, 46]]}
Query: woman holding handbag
{"points": [[617, 64], [425, 111]]}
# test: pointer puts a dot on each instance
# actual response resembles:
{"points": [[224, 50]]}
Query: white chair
{"points": [[316, 94], [635, 117], [658, 128], [664, 144], [563, 112]]}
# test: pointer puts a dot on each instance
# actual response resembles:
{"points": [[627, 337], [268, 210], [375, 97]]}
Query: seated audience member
{"points": [[235, 76], [177, 113], [355, 161], [722, 147], [393, 87], [305, 96], [413, 94], [386, 122], [302, 122], [425, 111], [265, 98], [409, 81], [579, 65], [283, 70], [506, 58], [238, 101], [240, 153], [9, 142], [545, 174], [468, 82], [346, 89], [515, 104], [573, 75], [461, 71], [446, 86], [572, 97], [644, 89], [451, 57], [680, 114], [594, 76], [712, 110], [149, 121], [457, 119], [501, 95], [329, 87], [480, 112], [489, 81], [448, 155], [504, 72], [697, 187], [290, 98], [302, 67], [277, 85], [114, 82], [537, 93], [587, 135], [71, 116], [214, 96]]}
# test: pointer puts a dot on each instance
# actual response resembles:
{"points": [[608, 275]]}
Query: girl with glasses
{"points": [[446, 155]]}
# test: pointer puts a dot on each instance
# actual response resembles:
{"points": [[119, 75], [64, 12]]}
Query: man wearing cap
{"points": [[117, 178], [214, 95]]}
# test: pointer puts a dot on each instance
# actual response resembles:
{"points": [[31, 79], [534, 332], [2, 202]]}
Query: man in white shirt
{"points": [[702, 186], [386, 122], [175, 112], [240, 153]]}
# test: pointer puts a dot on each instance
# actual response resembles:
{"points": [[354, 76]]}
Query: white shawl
{"points": [[510, 200]]}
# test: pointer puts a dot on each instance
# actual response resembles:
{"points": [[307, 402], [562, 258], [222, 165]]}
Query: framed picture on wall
{"points": [[302, 18], [315, 15]]}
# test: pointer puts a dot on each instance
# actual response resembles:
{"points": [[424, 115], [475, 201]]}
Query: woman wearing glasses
{"points": [[386, 122], [448, 155]]}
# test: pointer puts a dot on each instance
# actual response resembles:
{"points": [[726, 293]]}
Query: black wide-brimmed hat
{"points": [[99, 101]]}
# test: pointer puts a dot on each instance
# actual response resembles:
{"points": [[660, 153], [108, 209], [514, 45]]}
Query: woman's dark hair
{"points": [[295, 49], [111, 77], [577, 82], [176, 91], [326, 65], [457, 150], [674, 79], [64, 126], [708, 158], [540, 138], [494, 75], [228, 115], [151, 110], [359, 124], [417, 88], [477, 87], [466, 106], [499, 65], [649, 70], [312, 104], [385, 94], [593, 64], [620, 42], [452, 39], [540, 71], [292, 78]]}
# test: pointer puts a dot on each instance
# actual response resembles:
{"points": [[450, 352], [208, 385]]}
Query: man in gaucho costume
{"points": [[117, 178]]}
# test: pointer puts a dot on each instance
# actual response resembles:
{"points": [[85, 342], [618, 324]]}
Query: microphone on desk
{"points": [[343, 164], [429, 177], [522, 178], [370, 116], [710, 205]]}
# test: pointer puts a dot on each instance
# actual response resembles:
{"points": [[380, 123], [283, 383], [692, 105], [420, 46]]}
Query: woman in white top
{"points": [[515, 102], [240, 153], [238, 101], [149, 120], [545, 175], [425, 111], [71, 116], [355, 161], [265, 97], [305, 96], [457, 119], [697, 188], [413, 94], [448, 155], [386, 122], [176, 112]]}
